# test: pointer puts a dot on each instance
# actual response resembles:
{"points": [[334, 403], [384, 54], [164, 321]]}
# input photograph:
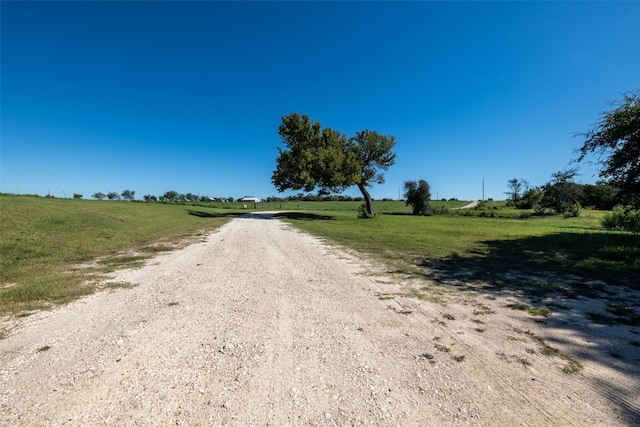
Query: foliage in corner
{"points": [[622, 218], [616, 140]]}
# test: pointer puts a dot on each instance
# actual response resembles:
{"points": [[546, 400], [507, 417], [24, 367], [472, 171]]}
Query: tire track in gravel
{"points": [[484, 367], [264, 325]]}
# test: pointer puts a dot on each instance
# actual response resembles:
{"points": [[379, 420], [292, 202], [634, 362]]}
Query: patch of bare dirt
{"points": [[264, 325]]}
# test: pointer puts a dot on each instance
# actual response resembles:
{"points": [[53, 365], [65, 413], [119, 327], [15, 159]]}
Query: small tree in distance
{"points": [[562, 194], [417, 194], [169, 196], [128, 195], [99, 196], [515, 188]]}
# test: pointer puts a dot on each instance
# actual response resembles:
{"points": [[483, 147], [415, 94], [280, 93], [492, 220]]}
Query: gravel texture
{"points": [[263, 325]]}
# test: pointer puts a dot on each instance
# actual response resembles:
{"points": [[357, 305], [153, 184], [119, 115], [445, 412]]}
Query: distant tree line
{"points": [[320, 197], [169, 196], [112, 195], [562, 194], [174, 196]]}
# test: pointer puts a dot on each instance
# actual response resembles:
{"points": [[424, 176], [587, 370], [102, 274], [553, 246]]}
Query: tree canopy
{"points": [[616, 139], [562, 194], [418, 194], [327, 159], [128, 194]]}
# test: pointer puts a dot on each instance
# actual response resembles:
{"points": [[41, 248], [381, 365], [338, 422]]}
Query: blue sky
{"points": [[188, 96]]}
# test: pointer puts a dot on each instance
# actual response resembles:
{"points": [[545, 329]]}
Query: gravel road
{"points": [[263, 325]]}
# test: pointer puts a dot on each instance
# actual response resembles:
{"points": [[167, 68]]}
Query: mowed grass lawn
{"points": [[44, 240], [485, 247]]}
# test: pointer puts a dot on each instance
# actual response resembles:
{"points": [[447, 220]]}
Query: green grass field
{"points": [[486, 248], [43, 241], [381, 206]]}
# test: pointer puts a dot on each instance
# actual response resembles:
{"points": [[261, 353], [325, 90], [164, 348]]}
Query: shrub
{"points": [[530, 199], [363, 213], [482, 205], [622, 218], [441, 210], [573, 211]]}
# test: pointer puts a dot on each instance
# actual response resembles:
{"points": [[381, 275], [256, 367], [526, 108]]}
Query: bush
{"points": [[622, 218], [363, 213], [441, 210], [573, 211], [530, 199], [482, 205]]}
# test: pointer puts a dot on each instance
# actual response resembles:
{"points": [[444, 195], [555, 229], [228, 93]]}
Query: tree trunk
{"points": [[367, 200]]}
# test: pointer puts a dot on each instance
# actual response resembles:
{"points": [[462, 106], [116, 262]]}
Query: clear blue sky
{"points": [[188, 96]]}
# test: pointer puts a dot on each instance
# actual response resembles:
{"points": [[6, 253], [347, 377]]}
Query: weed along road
{"points": [[259, 324]]}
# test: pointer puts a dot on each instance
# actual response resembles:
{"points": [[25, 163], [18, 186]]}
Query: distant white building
{"points": [[249, 199]]}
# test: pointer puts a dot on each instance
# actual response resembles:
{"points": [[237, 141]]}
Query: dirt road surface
{"points": [[263, 325]]}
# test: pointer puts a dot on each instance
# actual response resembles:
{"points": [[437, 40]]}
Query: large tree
{"points": [[328, 160], [616, 140]]}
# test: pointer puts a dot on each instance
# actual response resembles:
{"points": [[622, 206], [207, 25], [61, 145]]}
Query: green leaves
{"points": [[418, 194], [325, 158], [616, 138], [373, 152]]}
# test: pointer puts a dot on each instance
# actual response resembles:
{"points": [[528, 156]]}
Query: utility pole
{"points": [[483, 189]]}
